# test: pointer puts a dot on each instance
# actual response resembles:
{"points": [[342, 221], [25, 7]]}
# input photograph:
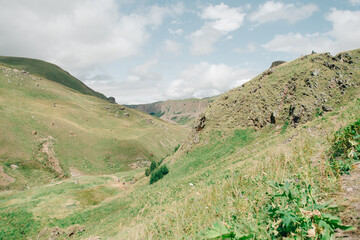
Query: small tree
{"points": [[158, 174], [153, 166]]}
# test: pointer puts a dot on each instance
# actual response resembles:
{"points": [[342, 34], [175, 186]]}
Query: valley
{"points": [[262, 162]]}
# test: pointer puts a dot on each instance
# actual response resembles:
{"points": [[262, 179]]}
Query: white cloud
{"points": [[224, 18], [299, 44], [205, 79], [344, 35], [144, 72], [178, 31], [354, 2], [272, 11], [172, 47], [77, 35], [221, 20], [346, 26]]}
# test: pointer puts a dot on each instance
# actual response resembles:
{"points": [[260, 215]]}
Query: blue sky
{"points": [[142, 51]]}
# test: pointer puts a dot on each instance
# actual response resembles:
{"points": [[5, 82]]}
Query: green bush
{"points": [[153, 166], [158, 174], [176, 148], [345, 149], [147, 172]]}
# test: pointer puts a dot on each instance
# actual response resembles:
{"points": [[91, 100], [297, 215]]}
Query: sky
{"points": [[142, 51]]}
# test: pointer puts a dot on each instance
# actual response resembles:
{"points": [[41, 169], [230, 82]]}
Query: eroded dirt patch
{"points": [[5, 179], [47, 147]]}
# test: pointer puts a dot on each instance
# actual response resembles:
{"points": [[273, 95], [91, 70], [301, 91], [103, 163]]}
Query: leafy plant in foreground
{"points": [[345, 149], [290, 211]]}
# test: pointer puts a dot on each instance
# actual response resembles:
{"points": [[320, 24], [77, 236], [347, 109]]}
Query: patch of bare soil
{"points": [[351, 202], [75, 172], [4, 178], [52, 161]]}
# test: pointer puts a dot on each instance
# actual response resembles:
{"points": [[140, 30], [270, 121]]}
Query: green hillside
{"points": [[49, 71], [49, 132], [233, 178]]}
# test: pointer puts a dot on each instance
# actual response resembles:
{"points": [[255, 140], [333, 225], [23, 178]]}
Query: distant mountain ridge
{"points": [[183, 112], [49, 71]]}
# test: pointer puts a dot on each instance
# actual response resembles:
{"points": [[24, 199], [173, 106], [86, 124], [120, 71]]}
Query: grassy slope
{"points": [[228, 172], [183, 112], [49, 71], [91, 135], [294, 92]]}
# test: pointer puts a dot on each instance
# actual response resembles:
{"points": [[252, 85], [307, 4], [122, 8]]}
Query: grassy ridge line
{"points": [[49, 71]]}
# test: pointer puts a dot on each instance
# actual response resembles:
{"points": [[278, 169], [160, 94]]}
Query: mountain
{"points": [[268, 160], [50, 131], [49, 71], [183, 112]]}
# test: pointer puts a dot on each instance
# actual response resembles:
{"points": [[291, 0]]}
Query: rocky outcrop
{"points": [[276, 63], [290, 94]]}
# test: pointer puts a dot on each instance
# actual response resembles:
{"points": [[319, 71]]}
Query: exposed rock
{"points": [[14, 167], [316, 72], [33, 132], [107, 107], [140, 164], [201, 122], [111, 99], [276, 63], [126, 115], [327, 108], [74, 229], [121, 108]]}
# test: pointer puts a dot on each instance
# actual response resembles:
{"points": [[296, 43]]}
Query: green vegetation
{"points": [[345, 149], [46, 130], [290, 211], [237, 178], [157, 114], [176, 148], [49, 71], [158, 174]]}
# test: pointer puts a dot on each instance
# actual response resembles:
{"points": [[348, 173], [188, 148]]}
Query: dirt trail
{"points": [[351, 202], [48, 148]]}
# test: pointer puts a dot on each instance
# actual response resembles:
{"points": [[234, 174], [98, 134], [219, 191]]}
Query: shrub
{"points": [[147, 172], [345, 149], [176, 148], [153, 166], [158, 174]]}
